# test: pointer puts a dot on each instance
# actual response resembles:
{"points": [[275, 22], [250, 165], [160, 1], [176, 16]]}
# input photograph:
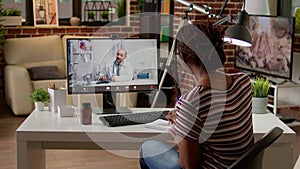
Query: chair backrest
{"points": [[254, 156]]}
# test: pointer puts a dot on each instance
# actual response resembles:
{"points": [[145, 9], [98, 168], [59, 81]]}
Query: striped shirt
{"points": [[221, 121]]}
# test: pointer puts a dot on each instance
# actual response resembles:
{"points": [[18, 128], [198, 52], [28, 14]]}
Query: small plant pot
{"points": [[259, 105], [39, 106]]}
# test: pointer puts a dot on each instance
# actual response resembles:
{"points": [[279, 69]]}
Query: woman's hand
{"points": [[171, 116]]}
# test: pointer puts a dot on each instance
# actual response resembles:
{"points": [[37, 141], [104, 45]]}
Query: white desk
{"points": [[47, 130]]}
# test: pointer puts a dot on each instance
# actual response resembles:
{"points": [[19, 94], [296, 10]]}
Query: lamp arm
{"points": [[244, 5], [228, 18], [223, 8], [206, 10]]}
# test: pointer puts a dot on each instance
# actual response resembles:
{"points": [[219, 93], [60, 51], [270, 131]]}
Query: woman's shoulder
{"points": [[239, 75], [240, 79]]}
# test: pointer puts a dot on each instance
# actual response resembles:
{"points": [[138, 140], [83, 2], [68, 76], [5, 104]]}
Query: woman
{"points": [[212, 123]]}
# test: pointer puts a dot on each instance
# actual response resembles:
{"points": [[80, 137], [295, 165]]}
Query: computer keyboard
{"points": [[132, 118]]}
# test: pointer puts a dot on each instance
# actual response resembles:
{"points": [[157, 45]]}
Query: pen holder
{"points": [[57, 98]]}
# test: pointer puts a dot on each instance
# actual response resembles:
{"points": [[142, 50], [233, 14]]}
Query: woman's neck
{"points": [[214, 79]]}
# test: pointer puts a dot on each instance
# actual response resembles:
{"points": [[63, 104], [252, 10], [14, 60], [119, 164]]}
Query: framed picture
{"points": [[45, 12]]}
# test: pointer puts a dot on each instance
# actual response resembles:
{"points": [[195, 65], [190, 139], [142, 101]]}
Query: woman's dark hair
{"points": [[202, 42]]}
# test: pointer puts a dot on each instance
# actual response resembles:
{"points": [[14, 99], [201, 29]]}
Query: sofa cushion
{"points": [[44, 73], [35, 51]]}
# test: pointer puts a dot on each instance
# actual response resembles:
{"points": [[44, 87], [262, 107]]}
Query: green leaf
{"points": [[39, 95], [260, 87]]}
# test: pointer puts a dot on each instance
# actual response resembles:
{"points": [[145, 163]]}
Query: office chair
{"points": [[253, 158]]}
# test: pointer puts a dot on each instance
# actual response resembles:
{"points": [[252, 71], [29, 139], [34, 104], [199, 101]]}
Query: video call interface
{"points": [[89, 60]]}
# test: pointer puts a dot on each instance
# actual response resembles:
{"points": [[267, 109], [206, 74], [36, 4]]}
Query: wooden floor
{"points": [[70, 159], [59, 159]]}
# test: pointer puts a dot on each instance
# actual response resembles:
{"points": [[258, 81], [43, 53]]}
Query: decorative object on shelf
{"points": [[297, 19], [75, 21], [45, 13], [121, 7], [11, 17], [39, 97], [104, 15], [139, 5], [260, 91], [91, 16], [97, 13], [58, 97]]}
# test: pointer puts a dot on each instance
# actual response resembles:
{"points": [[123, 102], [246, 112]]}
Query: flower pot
{"points": [[39, 106], [259, 105]]}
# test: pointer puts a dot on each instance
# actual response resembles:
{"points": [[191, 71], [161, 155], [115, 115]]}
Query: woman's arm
{"points": [[189, 154]]}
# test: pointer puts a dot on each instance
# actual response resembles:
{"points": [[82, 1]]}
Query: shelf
{"points": [[282, 104], [274, 101]]}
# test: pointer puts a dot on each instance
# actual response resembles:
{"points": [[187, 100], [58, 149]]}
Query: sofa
{"points": [[36, 54], [38, 62]]}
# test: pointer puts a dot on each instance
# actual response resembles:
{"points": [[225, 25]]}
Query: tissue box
{"points": [[57, 98], [66, 110]]}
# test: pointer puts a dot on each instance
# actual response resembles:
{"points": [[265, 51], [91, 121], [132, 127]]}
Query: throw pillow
{"points": [[44, 73]]}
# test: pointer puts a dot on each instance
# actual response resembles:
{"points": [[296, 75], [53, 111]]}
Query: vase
{"points": [[75, 21], [259, 105], [39, 106]]}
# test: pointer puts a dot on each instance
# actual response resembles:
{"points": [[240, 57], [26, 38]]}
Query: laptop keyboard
{"points": [[132, 118]]}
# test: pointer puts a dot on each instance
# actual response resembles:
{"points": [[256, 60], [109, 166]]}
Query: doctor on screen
{"points": [[120, 70]]}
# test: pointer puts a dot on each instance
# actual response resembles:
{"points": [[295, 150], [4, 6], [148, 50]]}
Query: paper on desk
{"points": [[159, 124]]}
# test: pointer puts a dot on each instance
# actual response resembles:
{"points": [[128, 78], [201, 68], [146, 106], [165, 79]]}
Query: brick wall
{"points": [[232, 7]]}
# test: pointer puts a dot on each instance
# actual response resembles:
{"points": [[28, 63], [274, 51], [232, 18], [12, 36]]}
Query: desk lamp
{"points": [[238, 34]]}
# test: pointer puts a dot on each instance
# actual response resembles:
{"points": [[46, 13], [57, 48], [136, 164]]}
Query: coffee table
{"points": [[47, 130]]}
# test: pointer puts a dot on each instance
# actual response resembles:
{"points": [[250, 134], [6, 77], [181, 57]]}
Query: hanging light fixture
{"points": [[238, 34]]}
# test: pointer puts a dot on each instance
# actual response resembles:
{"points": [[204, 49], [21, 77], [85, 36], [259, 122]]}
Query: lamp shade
{"points": [[238, 34]]}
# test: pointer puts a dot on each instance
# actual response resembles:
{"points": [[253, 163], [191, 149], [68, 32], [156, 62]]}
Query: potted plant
{"points": [[11, 17], [121, 8], [91, 16], [39, 97], [139, 5], [104, 15], [260, 91]]}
